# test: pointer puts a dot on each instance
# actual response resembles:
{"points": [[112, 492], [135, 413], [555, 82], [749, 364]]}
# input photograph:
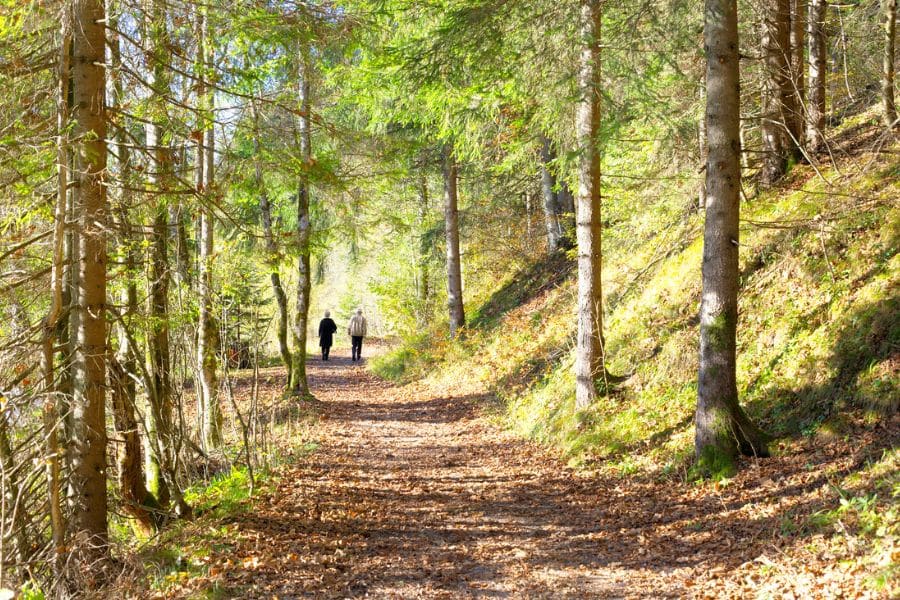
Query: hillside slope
{"points": [[818, 346]]}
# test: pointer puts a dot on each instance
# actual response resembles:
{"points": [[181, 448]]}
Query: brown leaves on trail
{"points": [[417, 496]]}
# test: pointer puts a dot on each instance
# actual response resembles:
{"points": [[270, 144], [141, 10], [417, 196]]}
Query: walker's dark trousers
{"points": [[325, 351], [357, 347]]}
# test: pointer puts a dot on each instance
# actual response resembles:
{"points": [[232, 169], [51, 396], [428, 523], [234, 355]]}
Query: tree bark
{"points": [[722, 427], [299, 385], [207, 330], [797, 78], [160, 428], [589, 359], [89, 407], [132, 485], [451, 227], [273, 256], [889, 108], [14, 523], [815, 106], [776, 91], [53, 448], [701, 147]]}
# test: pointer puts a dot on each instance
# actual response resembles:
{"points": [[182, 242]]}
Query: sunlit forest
{"points": [[449, 299]]}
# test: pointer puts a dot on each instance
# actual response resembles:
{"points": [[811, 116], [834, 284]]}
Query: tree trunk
{"points": [[129, 460], [722, 427], [273, 256], [589, 359], [423, 252], [160, 398], [159, 428], [88, 405], [887, 78], [53, 447], [179, 230], [207, 330], [797, 80], [15, 525], [776, 90], [815, 106], [551, 198], [299, 384], [451, 227], [132, 486]]}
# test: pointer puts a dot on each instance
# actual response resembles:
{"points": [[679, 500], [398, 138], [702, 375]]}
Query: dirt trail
{"points": [[413, 496]]}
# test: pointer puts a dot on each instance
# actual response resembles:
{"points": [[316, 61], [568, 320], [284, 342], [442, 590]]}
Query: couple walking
{"points": [[356, 329]]}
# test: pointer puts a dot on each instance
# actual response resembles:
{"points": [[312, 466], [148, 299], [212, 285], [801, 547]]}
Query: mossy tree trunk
{"points": [[137, 502], [299, 385], [722, 427], [207, 328], [797, 77], [123, 392], [162, 440], [589, 359]]}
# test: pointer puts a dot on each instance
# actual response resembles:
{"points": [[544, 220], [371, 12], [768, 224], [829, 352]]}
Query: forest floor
{"points": [[413, 494]]}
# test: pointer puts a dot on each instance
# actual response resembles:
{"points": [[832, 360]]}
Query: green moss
{"points": [[713, 463], [719, 331]]}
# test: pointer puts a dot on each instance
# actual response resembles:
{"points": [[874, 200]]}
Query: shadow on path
{"points": [[414, 496]]}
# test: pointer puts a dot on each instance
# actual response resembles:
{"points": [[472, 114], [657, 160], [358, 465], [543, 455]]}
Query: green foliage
{"points": [[225, 493], [30, 591]]}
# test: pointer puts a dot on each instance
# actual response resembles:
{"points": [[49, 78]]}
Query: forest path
{"points": [[410, 495], [414, 496]]}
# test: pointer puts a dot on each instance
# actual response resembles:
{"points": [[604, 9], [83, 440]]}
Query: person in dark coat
{"points": [[327, 327]]}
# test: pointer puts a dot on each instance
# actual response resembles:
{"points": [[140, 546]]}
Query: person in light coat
{"points": [[356, 329]]}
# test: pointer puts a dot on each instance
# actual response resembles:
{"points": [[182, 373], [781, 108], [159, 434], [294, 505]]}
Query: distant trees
{"points": [[815, 107], [777, 92], [559, 209], [722, 427]]}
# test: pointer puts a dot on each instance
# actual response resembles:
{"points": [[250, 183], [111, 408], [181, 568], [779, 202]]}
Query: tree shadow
{"points": [[869, 339], [532, 281]]}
